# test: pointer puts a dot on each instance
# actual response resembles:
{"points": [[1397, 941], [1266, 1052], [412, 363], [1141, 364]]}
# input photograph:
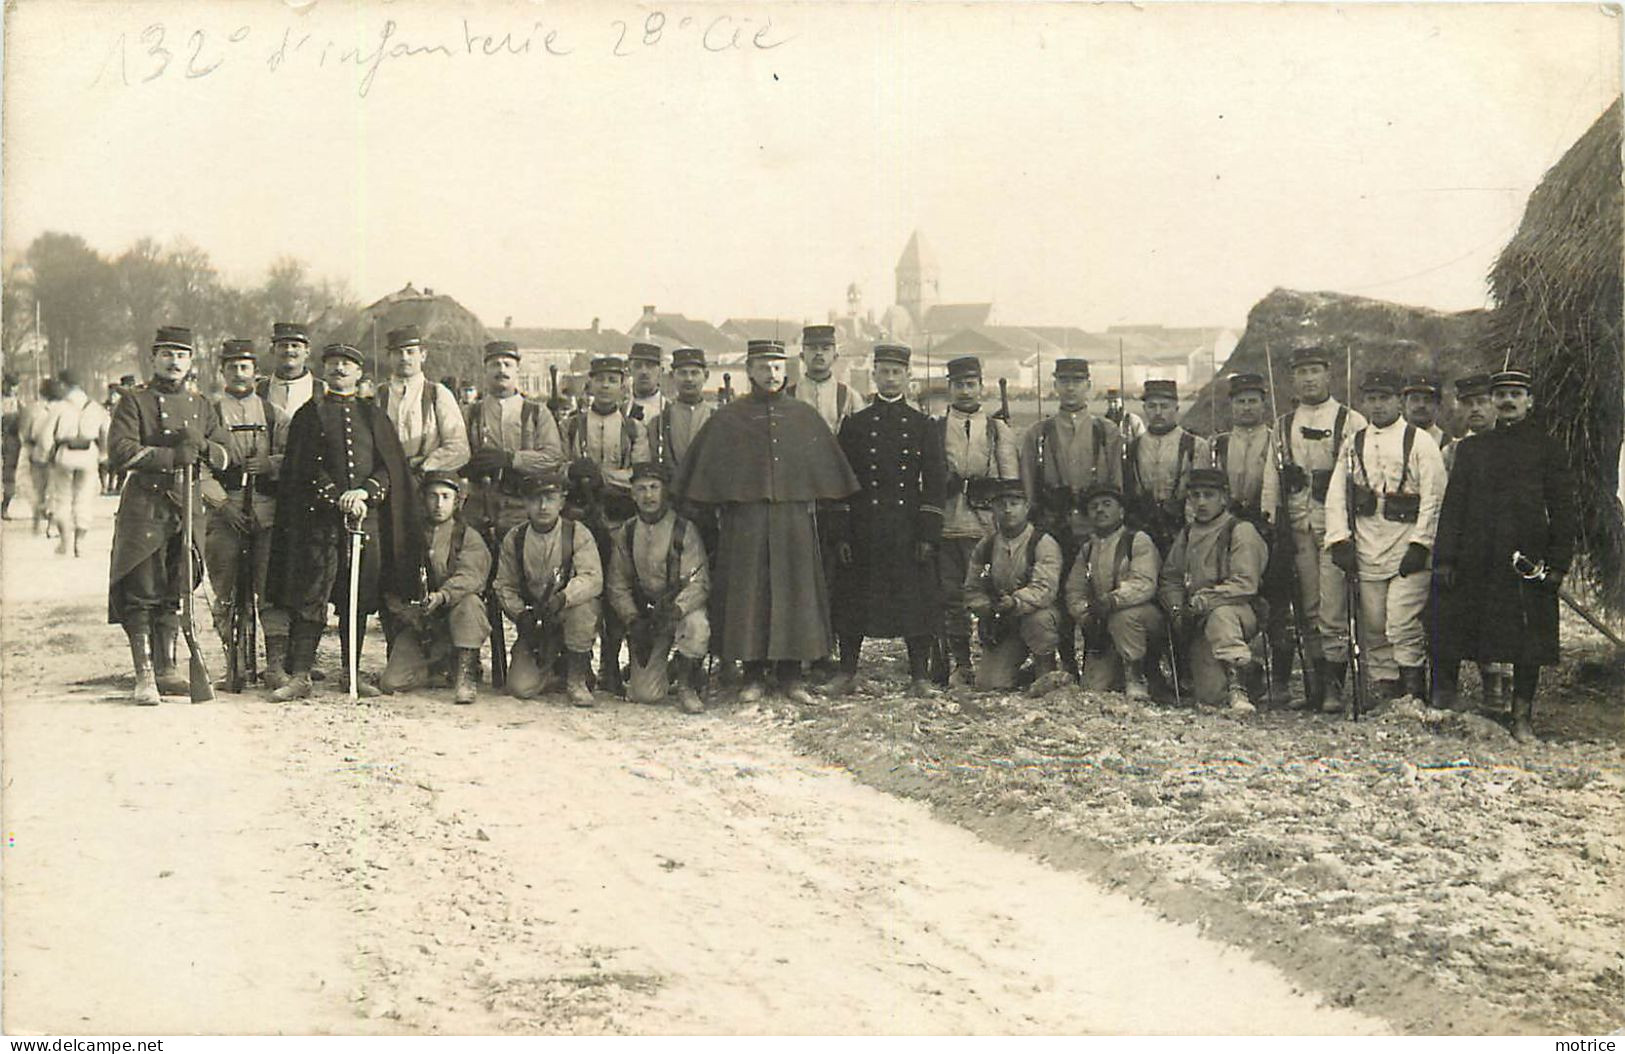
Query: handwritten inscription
{"points": [[159, 50]]}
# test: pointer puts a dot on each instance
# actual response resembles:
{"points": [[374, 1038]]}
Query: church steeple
{"points": [[917, 280]]}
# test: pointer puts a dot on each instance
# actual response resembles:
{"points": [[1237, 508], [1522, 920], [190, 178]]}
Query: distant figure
{"points": [[78, 437], [37, 439], [11, 443]]}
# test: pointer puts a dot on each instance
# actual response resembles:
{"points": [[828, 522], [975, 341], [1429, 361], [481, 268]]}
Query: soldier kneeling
{"points": [[446, 620], [1011, 586], [1111, 593], [658, 586], [549, 580], [1209, 584]]}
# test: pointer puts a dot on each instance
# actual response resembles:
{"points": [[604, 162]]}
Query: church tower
{"points": [[917, 280]]}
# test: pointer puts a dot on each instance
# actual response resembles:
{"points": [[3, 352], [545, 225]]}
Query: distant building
{"points": [[671, 330], [571, 350]]}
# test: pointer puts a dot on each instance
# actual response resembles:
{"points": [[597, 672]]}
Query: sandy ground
{"points": [[406, 866]]}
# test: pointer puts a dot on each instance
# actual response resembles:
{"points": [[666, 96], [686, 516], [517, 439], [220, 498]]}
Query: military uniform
{"points": [[78, 435], [833, 400], [656, 564], [425, 414], [1111, 592], [1025, 567], [252, 425], [456, 565], [979, 449], [511, 439], [1398, 479], [337, 444], [1312, 436], [11, 444], [1511, 495], [1210, 582], [534, 565], [645, 408], [890, 587], [288, 394], [157, 432], [1157, 471]]}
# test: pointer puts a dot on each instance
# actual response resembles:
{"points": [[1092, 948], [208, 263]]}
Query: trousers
{"points": [[1040, 634], [692, 638], [1392, 631], [526, 679], [463, 625], [1128, 632]]}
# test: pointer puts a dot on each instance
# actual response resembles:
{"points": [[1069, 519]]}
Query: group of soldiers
{"points": [[60, 437], [772, 533]]}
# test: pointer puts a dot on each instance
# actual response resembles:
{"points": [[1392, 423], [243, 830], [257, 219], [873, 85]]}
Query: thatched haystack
{"points": [[1558, 311], [453, 335], [1376, 332]]}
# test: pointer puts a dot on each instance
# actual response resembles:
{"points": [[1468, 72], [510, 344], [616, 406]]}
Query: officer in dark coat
{"points": [[887, 586], [1504, 543], [344, 463], [158, 431]]}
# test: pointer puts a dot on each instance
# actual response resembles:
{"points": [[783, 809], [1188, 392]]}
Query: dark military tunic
{"points": [[147, 564], [896, 452], [335, 444], [1511, 491]]}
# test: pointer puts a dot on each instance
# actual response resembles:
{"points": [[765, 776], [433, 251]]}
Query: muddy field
{"points": [[1418, 865]]}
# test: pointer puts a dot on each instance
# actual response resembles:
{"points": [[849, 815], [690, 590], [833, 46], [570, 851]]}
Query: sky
{"points": [[553, 162]]}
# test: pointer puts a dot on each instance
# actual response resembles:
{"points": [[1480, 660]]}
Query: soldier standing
{"points": [[818, 387], [1208, 585], [1158, 465], [1062, 456], [674, 428], [41, 418], [887, 585], [1129, 424], [291, 384], [658, 586], [1505, 541], [257, 434], [344, 471], [1478, 409], [443, 622], [157, 432], [549, 581], [980, 450], [425, 414], [1246, 455], [1312, 434], [1013, 586], [78, 435], [1396, 477], [605, 443], [646, 364], [1111, 592], [764, 461]]}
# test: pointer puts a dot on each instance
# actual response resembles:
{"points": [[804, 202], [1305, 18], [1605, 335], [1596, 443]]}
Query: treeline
{"points": [[92, 310]]}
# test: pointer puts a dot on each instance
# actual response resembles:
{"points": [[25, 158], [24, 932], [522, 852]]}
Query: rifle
{"points": [[555, 405], [1352, 580], [1286, 544], [1173, 645], [547, 640], [1003, 412], [1124, 432], [241, 661], [643, 630], [493, 604], [202, 691], [726, 396], [417, 618]]}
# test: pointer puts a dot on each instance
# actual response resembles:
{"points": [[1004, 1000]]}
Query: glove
{"points": [[1294, 479], [664, 613], [925, 552], [526, 623], [1444, 575], [843, 553], [554, 606], [185, 454], [1342, 554], [1415, 559], [585, 470], [1198, 605], [258, 463], [234, 516], [1005, 604], [193, 434], [434, 602], [955, 484]]}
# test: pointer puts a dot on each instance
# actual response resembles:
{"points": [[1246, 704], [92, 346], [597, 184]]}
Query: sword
{"points": [[358, 539]]}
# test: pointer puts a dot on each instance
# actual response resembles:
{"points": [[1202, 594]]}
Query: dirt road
{"points": [[406, 866]]}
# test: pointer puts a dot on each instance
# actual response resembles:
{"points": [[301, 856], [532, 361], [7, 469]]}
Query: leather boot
{"points": [[1413, 681], [919, 668], [1314, 692], [788, 674], [462, 675], [752, 677], [275, 674], [682, 674], [609, 665], [1387, 690], [1280, 688], [1047, 676], [79, 541], [1523, 716], [1235, 682], [963, 675], [575, 686], [136, 628], [1134, 685], [1495, 688], [1332, 675], [302, 640], [170, 679]]}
